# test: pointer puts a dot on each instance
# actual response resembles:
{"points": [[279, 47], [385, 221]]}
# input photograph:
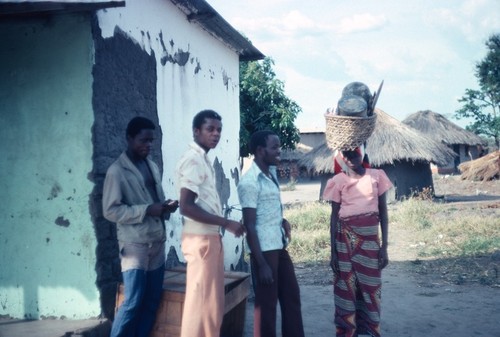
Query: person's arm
{"points": [[190, 209], [334, 220], [384, 224], [265, 274], [288, 229]]}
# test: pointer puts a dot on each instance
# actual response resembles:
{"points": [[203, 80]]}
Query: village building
{"points": [[289, 169], [466, 145], [402, 152], [73, 73]]}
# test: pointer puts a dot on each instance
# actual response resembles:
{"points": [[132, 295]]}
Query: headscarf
{"points": [[339, 162]]}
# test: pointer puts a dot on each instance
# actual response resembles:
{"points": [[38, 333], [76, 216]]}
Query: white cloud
{"points": [[361, 23], [424, 50], [473, 19]]}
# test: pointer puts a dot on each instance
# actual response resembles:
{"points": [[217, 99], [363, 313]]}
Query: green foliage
{"points": [[479, 245], [264, 105], [483, 105]]}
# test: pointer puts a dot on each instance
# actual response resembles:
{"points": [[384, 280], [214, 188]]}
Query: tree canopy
{"points": [[264, 105], [483, 105]]}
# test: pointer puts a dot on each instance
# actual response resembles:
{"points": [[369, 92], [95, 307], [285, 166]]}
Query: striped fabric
{"points": [[357, 286]]}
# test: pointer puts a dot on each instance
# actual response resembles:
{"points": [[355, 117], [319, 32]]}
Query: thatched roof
{"points": [[441, 129], [390, 142], [484, 168], [295, 155]]}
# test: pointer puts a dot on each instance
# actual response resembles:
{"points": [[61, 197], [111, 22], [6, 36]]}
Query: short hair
{"points": [[200, 117], [137, 124], [259, 138]]}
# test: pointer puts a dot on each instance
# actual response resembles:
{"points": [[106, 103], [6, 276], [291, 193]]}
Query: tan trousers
{"points": [[204, 301]]}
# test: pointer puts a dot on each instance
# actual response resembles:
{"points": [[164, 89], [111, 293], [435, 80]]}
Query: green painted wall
{"points": [[47, 240]]}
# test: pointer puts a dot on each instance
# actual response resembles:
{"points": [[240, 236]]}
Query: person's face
{"points": [[272, 151], [353, 159], [208, 135], [140, 145]]}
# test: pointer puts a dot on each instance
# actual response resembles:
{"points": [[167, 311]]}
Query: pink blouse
{"points": [[357, 195]]}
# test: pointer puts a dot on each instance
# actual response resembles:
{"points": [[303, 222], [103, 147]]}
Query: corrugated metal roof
{"points": [[19, 7]]}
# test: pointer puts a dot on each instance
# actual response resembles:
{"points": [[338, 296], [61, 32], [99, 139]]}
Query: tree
{"points": [[483, 105], [264, 105]]}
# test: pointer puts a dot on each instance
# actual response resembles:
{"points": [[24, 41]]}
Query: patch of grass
{"points": [[415, 213], [310, 232], [447, 237], [456, 234]]}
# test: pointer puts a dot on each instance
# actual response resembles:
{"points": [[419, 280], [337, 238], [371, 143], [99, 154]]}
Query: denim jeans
{"points": [[142, 291]]}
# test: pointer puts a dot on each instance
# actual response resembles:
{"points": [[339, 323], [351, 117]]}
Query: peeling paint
{"points": [[197, 69], [222, 183], [134, 91], [235, 174], [60, 221], [225, 79], [54, 192], [181, 57]]}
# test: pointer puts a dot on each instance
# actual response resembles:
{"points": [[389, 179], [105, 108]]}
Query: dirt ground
{"points": [[419, 298]]}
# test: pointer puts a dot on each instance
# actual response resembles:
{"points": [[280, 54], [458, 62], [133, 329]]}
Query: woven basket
{"points": [[347, 133]]}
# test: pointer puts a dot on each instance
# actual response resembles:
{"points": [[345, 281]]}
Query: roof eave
{"points": [[201, 13]]}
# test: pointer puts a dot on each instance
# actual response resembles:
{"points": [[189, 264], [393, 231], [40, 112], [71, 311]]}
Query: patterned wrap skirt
{"points": [[357, 285]]}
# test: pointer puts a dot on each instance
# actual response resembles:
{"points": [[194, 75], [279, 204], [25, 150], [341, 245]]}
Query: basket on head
{"points": [[347, 133]]}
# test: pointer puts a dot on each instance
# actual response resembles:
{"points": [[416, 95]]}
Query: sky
{"points": [[425, 51]]}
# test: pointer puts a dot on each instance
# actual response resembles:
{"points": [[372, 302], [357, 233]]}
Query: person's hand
{"points": [[265, 274], [383, 258], [334, 263], [288, 229], [155, 209], [234, 227], [171, 205]]}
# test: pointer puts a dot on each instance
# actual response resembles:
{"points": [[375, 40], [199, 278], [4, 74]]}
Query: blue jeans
{"points": [[136, 315]]}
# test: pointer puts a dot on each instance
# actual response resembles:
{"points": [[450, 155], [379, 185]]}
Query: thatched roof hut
{"points": [[466, 144], [288, 167], [484, 168], [440, 128], [296, 154], [403, 153]]}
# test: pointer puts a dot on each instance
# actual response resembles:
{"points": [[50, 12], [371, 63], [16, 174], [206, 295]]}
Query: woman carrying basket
{"points": [[358, 253]]}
